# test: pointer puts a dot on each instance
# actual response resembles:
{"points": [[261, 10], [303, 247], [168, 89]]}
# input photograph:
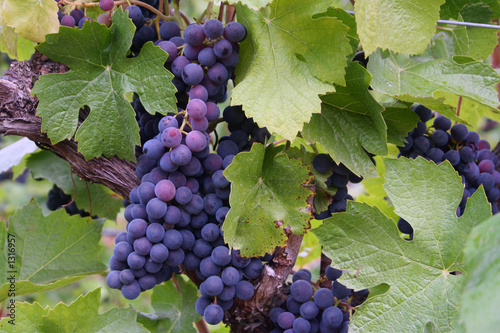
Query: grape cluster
{"points": [[57, 199], [339, 178], [471, 157], [310, 309]]}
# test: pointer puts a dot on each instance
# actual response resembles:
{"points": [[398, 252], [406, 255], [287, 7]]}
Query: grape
{"points": [[435, 154], [198, 92], [219, 180], [212, 163], [146, 192], [165, 190], [442, 123], [179, 64], [220, 256], [301, 325], [156, 208], [440, 137], [286, 319], [453, 156], [323, 163], [196, 141], [324, 298], [192, 52], [213, 29], [194, 35], [467, 154], [422, 144], [202, 248], [459, 132], [209, 268], [230, 276], [293, 306], [223, 48], [424, 113], [408, 144], [483, 144], [180, 155], [191, 261], [301, 291], [487, 180], [210, 232], [244, 290], [211, 204], [82, 21], [77, 14], [338, 180], [199, 124], [142, 246], [234, 32], [68, 21], [175, 257], [171, 137], [227, 294], [238, 261], [147, 282], [274, 314], [486, 166], [183, 195], [177, 178], [138, 273], [217, 73], [213, 314], [404, 226], [151, 266], [121, 237], [155, 232], [169, 29], [332, 317], [170, 48], [115, 264], [309, 310], [132, 290], [196, 108], [193, 185], [122, 250], [199, 220], [207, 57], [213, 285], [302, 274], [106, 5], [227, 148], [172, 239], [472, 138], [212, 88], [201, 304], [153, 149], [227, 161], [159, 253], [192, 74], [333, 273], [135, 260], [192, 168], [195, 205], [137, 228], [145, 34], [231, 61], [493, 194], [340, 291], [113, 280], [420, 129], [254, 269]]}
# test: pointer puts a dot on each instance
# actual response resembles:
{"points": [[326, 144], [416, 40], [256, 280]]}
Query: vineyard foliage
{"points": [[296, 77]]}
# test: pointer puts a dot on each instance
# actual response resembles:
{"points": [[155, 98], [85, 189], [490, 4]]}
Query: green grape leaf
{"points": [[322, 193], [414, 80], [375, 194], [27, 318], [49, 251], [348, 20], [451, 7], [286, 52], [478, 306], [368, 245], [174, 309], [13, 154], [350, 120], [100, 75], [474, 42], [15, 46], [31, 19], [400, 120], [400, 26], [80, 316], [252, 4], [104, 202], [266, 198]]}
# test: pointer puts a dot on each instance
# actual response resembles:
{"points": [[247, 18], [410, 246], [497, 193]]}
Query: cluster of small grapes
{"points": [[57, 199], [77, 18], [469, 155], [339, 178], [309, 309]]}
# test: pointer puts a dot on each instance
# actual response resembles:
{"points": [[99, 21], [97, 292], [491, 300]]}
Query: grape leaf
{"points": [[400, 120], [50, 251], [80, 316], [348, 20], [174, 309], [350, 119], [104, 202], [252, 4], [375, 194], [400, 26], [100, 75], [414, 80], [366, 243], [15, 46], [478, 311], [286, 52], [28, 318], [14, 153], [31, 19], [477, 43], [266, 197]]}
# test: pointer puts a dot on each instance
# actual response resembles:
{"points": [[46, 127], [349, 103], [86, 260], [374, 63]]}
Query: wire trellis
{"points": [[468, 24]]}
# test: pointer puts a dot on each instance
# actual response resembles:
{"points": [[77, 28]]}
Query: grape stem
{"points": [[74, 194], [208, 12], [459, 105]]}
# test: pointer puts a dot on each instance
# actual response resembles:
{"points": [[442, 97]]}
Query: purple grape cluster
{"points": [[339, 177], [471, 157], [310, 309]]}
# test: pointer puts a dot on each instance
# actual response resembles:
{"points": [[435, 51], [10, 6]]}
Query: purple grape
{"points": [[217, 73], [207, 57], [106, 5], [165, 190], [169, 29], [198, 92], [194, 34], [69, 21], [213, 29], [223, 48], [170, 48], [180, 155], [234, 32]]}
